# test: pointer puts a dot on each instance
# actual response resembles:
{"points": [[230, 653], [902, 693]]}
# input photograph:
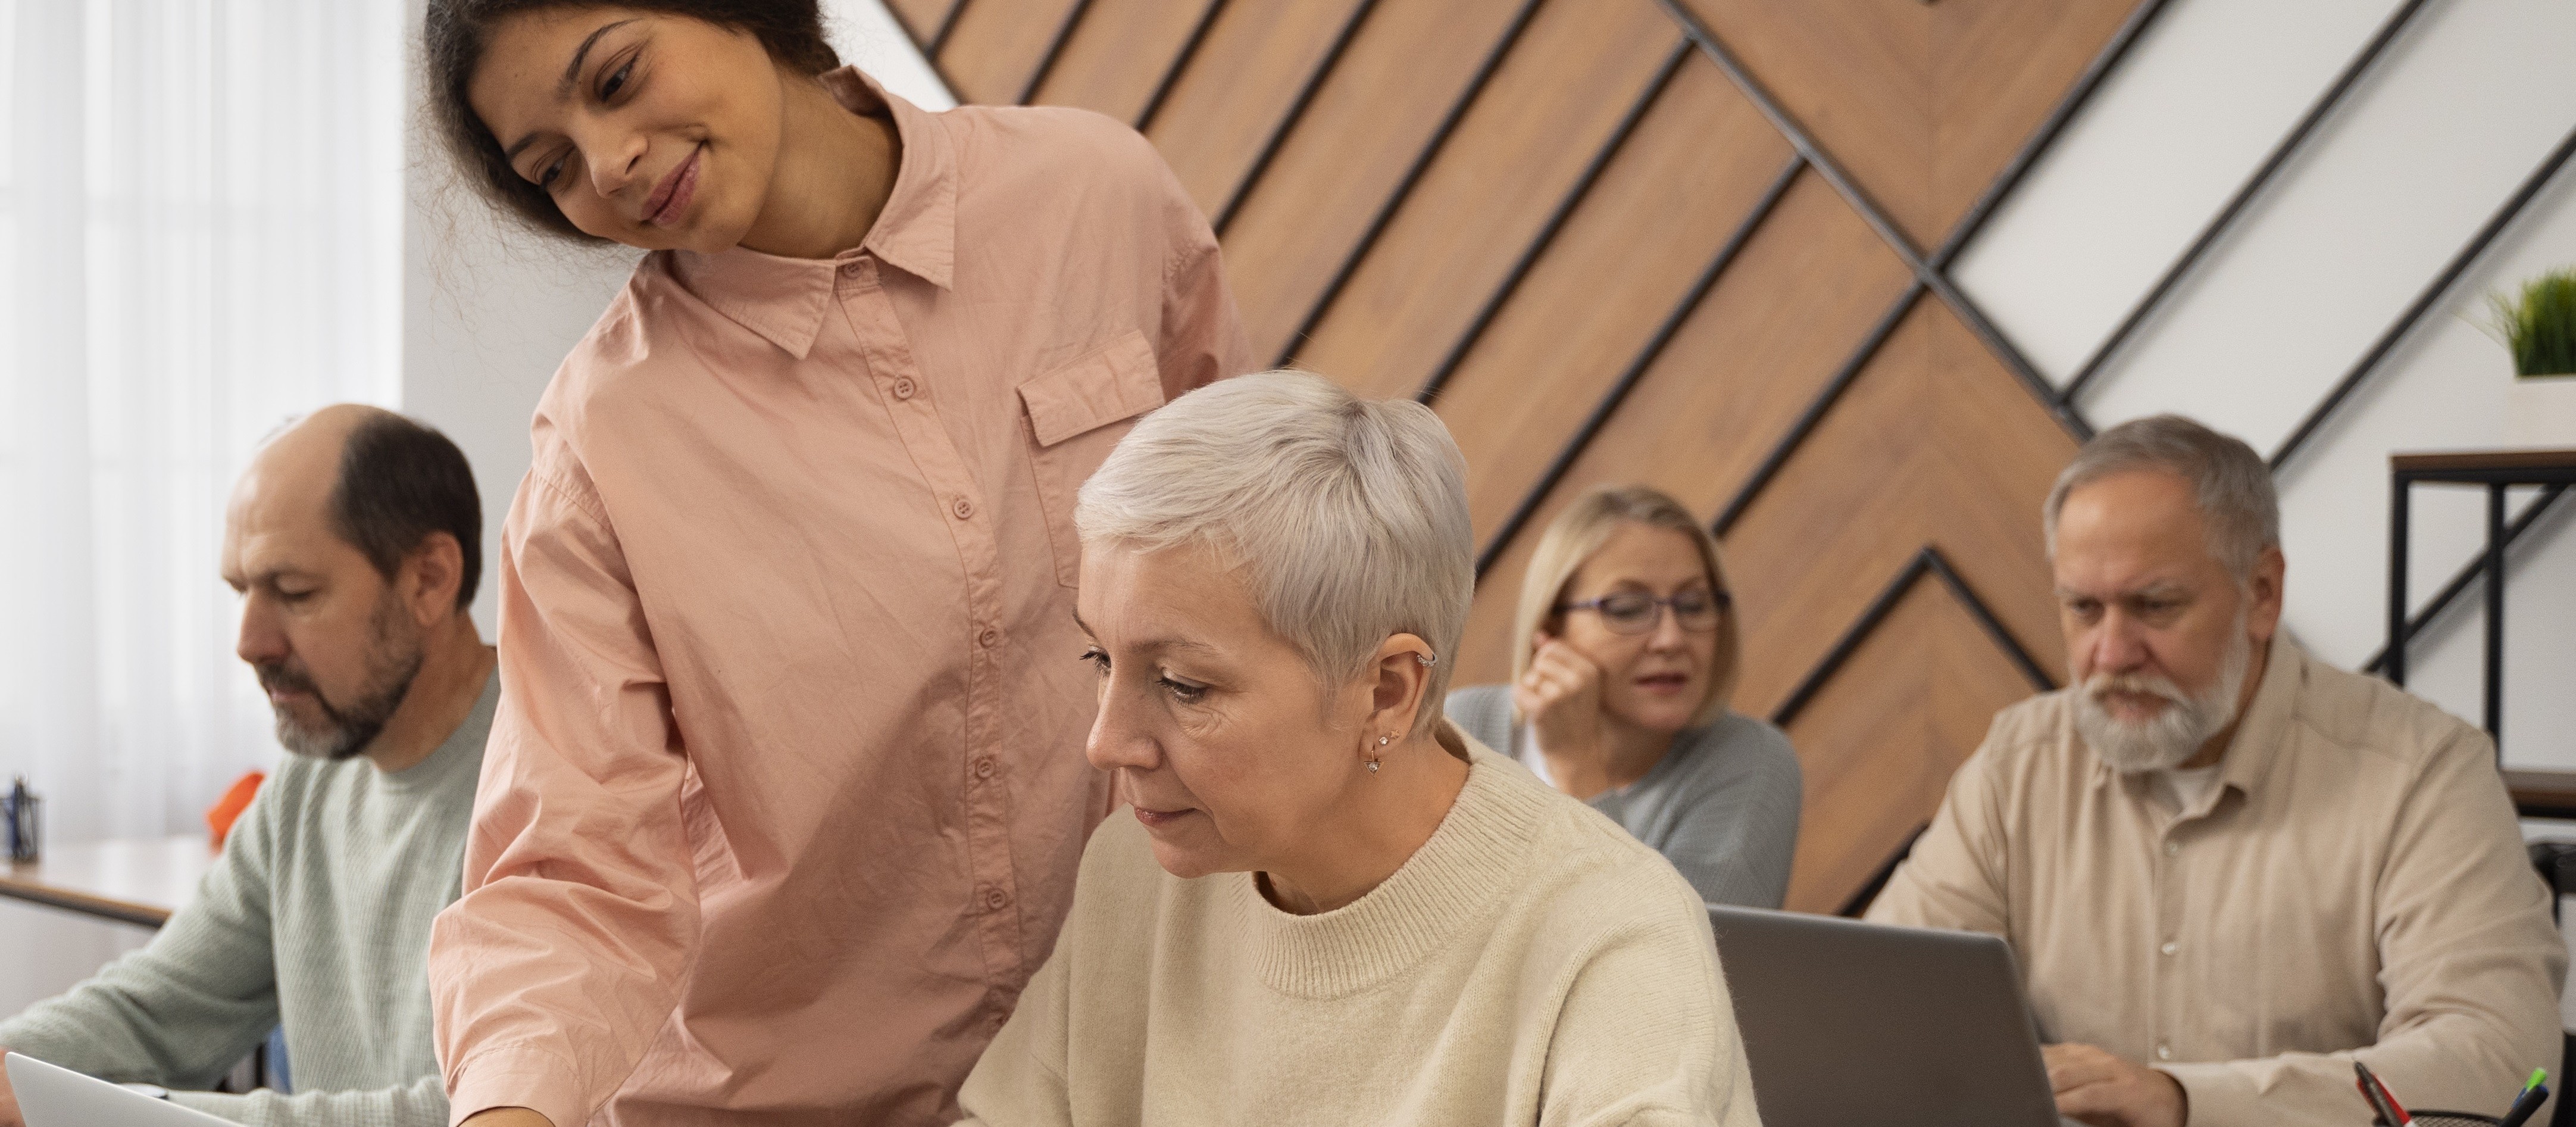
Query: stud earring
{"points": [[1382, 741], [1372, 765]]}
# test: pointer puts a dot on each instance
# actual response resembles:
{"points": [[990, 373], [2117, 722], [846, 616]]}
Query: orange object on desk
{"points": [[220, 816]]}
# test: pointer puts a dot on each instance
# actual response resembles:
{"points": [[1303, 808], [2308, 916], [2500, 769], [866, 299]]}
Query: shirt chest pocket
{"points": [[1077, 413]]}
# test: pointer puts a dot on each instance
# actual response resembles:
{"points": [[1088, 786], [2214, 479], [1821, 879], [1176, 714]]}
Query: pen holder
{"points": [[25, 822]]}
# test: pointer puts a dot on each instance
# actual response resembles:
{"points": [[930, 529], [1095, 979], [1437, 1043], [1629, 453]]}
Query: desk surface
{"points": [[139, 881], [2542, 794]]}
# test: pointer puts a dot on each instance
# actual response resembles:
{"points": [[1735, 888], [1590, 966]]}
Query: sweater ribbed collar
{"points": [[1455, 879]]}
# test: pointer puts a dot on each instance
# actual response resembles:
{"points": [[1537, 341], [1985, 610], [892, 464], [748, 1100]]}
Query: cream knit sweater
{"points": [[1531, 964]]}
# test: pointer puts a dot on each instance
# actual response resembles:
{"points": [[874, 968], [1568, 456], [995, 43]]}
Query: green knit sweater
{"points": [[317, 918]]}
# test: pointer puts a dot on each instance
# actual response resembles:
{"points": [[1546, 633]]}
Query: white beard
{"points": [[2175, 733]]}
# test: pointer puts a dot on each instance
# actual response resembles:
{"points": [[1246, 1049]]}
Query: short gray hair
{"points": [[2239, 509], [1350, 515]]}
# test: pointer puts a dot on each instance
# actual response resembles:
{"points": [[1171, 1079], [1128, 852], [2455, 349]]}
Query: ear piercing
{"points": [[1382, 741], [1427, 660]]}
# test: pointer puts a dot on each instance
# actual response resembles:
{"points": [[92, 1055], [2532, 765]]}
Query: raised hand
{"points": [[1560, 698]]}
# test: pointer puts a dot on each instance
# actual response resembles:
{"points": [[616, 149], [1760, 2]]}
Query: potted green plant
{"points": [[2538, 325]]}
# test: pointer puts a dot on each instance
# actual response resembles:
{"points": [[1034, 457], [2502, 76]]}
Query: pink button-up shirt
{"points": [[786, 792]]}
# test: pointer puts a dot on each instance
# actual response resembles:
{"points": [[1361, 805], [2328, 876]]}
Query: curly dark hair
{"points": [[456, 32]]}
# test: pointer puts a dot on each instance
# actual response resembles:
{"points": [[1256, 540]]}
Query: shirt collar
{"points": [[2260, 732], [2268, 718], [784, 299]]}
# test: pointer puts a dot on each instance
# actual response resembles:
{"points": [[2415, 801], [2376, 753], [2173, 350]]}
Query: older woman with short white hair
{"points": [[1329, 906]]}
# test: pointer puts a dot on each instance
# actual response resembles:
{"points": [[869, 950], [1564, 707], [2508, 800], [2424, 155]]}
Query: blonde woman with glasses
{"points": [[1625, 657]]}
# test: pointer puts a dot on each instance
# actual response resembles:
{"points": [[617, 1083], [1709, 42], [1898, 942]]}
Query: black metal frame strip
{"points": [[2425, 300], [1969, 314], [1423, 158], [1961, 234], [1055, 50], [1539, 244], [922, 43], [1928, 561], [1189, 52], [947, 27], [1862, 897], [1786, 446], [903, 23], [2289, 145], [1637, 368], [2077, 96], [1287, 124], [2469, 573]]}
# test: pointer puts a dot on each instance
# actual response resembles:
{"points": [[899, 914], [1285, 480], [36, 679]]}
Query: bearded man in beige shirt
{"points": [[2226, 868]]}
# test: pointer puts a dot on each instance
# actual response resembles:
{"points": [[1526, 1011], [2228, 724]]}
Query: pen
{"points": [[2533, 1095], [2381, 1099], [19, 823]]}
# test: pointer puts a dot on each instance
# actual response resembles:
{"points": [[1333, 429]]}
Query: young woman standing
{"points": [[786, 791]]}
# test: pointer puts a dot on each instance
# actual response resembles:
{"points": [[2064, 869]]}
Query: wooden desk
{"points": [[2542, 794], [139, 881]]}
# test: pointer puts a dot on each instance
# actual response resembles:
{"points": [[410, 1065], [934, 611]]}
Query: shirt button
{"points": [[2168, 948], [2164, 1052], [984, 770], [851, 268], [2171, 847], [963, 508], [996, 899], [903, 388], [988, 637]]}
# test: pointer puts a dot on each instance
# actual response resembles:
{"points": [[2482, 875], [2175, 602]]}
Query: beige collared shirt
{"points": [[2354, 887]]}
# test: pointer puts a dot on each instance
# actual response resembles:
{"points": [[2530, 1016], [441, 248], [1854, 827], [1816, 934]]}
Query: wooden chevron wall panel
{"points": [[1694, 243]]}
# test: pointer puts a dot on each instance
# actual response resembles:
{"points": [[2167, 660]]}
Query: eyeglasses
{"points": [[1635, 612]]}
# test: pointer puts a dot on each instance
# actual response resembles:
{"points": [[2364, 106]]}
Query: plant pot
{"points": [[2540, 413]]}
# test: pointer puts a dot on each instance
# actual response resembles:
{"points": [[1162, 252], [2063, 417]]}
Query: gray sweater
{"points": [[1722, 805], [317, 917]]}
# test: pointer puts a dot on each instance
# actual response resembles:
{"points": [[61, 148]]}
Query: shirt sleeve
{"points": [[1638, 1040], [563, 959], [2469, 961], [1955, 876], [1203, 339], [1734, 840], [422, 1103], [190, 1004]]}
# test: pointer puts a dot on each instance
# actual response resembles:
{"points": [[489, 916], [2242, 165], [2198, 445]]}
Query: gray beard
{"points": [[394, 657], [2176, 733]]}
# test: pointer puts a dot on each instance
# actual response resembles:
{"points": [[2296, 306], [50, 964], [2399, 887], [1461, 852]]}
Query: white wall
{"points": [[489, 310], [487, 313], [2455, 115]]}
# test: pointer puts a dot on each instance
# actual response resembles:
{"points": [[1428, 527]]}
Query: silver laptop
{"points": [[59, 1097], [1848, 1024]]}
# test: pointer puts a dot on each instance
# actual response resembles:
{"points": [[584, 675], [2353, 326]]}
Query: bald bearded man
{"points": [[354, 540]]}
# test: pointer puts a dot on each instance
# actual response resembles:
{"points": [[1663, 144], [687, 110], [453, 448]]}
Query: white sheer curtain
{"points": [[200, 236]]}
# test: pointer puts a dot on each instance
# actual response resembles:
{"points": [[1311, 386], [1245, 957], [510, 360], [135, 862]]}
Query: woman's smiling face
{"points": [[1210, 722], [652, 130]]}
